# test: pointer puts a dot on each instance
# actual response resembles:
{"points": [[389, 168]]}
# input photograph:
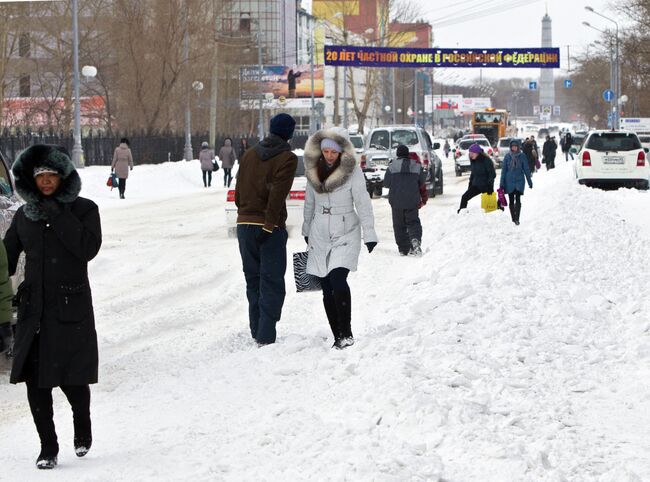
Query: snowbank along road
{"points": [[504, 354]]}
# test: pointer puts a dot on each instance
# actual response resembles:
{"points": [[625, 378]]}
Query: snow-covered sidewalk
{"points": [[505, 353]]}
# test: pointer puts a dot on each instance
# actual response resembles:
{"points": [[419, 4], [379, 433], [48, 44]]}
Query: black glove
{"points": [[307, 239], [490, 189], [6, 337], [263, 237], [131, 168], [50, 207], [371, 245]]}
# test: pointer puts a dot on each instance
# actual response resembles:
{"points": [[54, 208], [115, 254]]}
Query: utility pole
{"points": [[415, 96], [214, 79], [77, 149], [312, 120], [187, 151], [260, 127]]}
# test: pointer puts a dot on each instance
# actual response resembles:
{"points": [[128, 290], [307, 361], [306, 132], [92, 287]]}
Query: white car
{"points": [[645, 141], [612, 158], [461, 155], [295, 199]]}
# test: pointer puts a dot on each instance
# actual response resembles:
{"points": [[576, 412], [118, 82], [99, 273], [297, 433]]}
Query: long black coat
{"points": [[55, 298], [483, 173]]}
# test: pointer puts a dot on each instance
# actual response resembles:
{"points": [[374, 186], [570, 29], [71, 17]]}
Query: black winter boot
{"points": [[332, 315], [517, 213], [343, 301], [46, 460], [513, 212]]}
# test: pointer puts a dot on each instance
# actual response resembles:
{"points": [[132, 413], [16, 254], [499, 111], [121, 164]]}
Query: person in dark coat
{"points": [[264, 180], [529, 148], [548, 152], [567, 142], [55, 342], [6, 296], [405, 179], [291, 80], [481, 179], [514, 174], [228, 158]]}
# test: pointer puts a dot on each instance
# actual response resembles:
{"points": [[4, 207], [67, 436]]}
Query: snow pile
{"points": [[505, 353]]}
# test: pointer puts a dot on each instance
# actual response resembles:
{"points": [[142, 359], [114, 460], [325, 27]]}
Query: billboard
{"points": [[352, 56], [472, 104], [444, 102], [276, 80], [636, 124]]}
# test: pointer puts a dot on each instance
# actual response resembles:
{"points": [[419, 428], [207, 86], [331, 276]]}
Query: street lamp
{"points": [[77, 149], [617, 71]]}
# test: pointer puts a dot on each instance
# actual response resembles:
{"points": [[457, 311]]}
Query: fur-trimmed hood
{"points": [[313, 153], [55, 157]]}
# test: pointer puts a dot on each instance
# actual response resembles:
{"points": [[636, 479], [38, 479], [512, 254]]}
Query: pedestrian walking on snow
{"points": [[514, 173], [406, 181], [481, 179], [447, 148], [228, 158], [548, 152], [266, 173], [122, 164], [567, 142], [338, 213], [206, 158], [56, 342]]}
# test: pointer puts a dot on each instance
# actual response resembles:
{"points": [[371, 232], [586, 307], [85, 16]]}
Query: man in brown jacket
{"points": [[266, 173]]}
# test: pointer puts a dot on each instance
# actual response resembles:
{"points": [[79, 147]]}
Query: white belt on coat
{"points": [[336, 210]]}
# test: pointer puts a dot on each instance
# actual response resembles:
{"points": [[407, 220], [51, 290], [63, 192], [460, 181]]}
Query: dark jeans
{"points": [[567, 154], [227, 176], [550, 163], [406, 226], [471, 192], [40, 404], [337, 302], [121, 186], [207, 178], [264, 268], [514, 204]]}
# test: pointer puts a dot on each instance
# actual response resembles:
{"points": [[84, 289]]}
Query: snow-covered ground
{"points": [[504, 354]]}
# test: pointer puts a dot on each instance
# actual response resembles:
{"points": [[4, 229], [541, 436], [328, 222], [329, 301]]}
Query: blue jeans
{"points": [[264, 268]]}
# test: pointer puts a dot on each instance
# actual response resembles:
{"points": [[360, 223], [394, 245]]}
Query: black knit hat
{"points": [[402, 151], [283, 125]]}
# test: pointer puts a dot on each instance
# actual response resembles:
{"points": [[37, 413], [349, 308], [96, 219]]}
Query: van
{"points": [[381, 147]]}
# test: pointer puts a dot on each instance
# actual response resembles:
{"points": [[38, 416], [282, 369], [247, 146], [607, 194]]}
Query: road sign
{"points": [[532, 85], [568, 83], [556, 110], [636, 124], [608, 95], [596, 118]]}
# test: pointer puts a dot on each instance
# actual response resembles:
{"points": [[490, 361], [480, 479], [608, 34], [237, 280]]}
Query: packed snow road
{"points": [[505, 353]]}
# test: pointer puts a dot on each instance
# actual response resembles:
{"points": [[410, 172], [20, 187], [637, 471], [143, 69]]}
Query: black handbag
{"points": [[304, 281], [215, 166]]}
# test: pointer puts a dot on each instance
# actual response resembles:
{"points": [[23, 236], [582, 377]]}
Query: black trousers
{"points": [[40, 404], [227, 176], [207, 178], [471, 192], [406, 227], [337, 301], [121, 186], [514, 204]]}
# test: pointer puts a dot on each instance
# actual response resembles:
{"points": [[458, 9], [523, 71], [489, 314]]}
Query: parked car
{"points": [[382, 143], [645, 140], [357, 141], [502, 148], [462, 162], [295, 199], [612, 158]]}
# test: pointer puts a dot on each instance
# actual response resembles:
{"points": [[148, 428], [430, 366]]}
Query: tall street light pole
{"points": [[312, 120], [612, 71], [77, 149], [617, 71], [187, 150], [260, 126]]}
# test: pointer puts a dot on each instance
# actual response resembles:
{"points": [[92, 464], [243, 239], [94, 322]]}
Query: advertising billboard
{"points": [[472, 104], [281, 83], [444, 102], [353, 56]]}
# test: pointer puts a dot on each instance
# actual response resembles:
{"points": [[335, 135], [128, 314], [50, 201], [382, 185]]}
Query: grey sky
{"points": [[517, 26]]}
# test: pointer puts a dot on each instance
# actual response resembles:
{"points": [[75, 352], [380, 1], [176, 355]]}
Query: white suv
{"points": [[613, 158]]}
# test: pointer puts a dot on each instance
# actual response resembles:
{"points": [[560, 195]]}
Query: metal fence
{"points": [[146, 149]]}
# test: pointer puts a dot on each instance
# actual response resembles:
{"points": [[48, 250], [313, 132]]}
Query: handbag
{"points": [[489, 202], [109, 182], [215, 166], [304, 281], [501, 194], [537, 164]]}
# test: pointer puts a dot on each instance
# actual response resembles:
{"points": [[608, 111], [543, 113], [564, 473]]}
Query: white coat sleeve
{"points": [[308, 211], [363, 205]]}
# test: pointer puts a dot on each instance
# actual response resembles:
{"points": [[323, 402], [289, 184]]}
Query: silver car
{"points": [[381, 146]]}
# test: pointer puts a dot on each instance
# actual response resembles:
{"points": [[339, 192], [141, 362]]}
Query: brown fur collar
{"points": [[313, 153]]}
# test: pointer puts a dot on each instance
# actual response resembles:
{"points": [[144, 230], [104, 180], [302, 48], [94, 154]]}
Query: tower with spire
{"points": [[546, 83]]}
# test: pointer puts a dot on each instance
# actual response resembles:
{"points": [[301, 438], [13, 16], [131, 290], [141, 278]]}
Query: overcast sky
{"points": [[490, 25]]}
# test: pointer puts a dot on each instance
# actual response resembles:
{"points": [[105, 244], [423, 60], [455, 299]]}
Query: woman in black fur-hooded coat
{"points": [[56, 342]]}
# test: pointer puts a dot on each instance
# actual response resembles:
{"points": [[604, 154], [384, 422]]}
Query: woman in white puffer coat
{"points": [[337, 210]]}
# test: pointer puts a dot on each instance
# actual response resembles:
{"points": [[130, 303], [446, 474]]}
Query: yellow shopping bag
{"points": [[489, 202]]}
